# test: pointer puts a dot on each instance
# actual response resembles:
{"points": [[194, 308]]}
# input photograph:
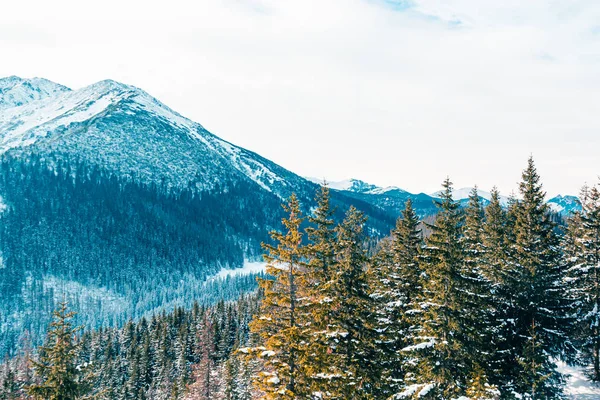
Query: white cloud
{"points": [[348, 88]]}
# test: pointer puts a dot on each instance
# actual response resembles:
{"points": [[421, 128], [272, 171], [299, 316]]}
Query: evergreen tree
{"points": [[476, 288], [439, 355], [496, 268], [9, 388], [582, 248], [536, 285], [278, 323], [58, 375], [397, 285], [319, 293], [352, 330]]}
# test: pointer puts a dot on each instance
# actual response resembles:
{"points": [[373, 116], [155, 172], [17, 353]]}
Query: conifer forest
{"points": [[481, 300]]}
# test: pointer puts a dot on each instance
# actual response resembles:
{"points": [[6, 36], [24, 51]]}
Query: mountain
{"points": [[119, 204], [564, 205], [391, 199], [126, 130]]}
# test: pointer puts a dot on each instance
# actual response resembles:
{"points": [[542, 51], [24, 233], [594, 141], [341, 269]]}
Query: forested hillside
{"points": [[118, 248], [115, 248]]}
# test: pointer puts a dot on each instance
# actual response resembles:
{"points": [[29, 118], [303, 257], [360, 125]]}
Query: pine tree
{"points": [[582, 248], [278, 324], [351, 333], [397, 285], [439, 355], [540, 306], [476, 288], [496, 267], [319, 293], [58, 375]]}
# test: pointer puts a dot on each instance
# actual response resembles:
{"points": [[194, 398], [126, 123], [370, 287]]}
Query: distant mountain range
{"points": [[392, 198]]}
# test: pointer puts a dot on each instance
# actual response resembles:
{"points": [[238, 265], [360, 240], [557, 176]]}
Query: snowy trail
{"points": [[578, 387]]}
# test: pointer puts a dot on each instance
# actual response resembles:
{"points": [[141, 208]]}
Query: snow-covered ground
{"points": [[249, 267], [578, 386]]}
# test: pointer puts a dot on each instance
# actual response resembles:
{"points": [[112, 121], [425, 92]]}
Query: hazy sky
{"points": [[389, 91]]}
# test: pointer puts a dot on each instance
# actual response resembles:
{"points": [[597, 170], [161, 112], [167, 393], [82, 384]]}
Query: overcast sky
{"points": [[389, 91]]}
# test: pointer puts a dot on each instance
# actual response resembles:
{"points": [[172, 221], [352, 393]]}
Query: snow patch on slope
{"points": [[86, 294], [253, 169], [249, 267], [578, 386], [339, 185]]}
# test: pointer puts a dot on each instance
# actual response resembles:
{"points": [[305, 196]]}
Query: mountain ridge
{"points": [[392, 198]]}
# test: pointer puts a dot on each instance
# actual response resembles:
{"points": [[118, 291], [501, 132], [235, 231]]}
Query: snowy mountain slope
{"points": [[15, 91], [124, 128]]}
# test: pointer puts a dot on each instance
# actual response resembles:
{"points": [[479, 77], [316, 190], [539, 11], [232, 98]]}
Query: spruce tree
{"points": [[397, 284], [58, 376], [496, 267], [319, 292], [278, 324], [476, 289], [438, 355], [9, 387], [536, 286], [582, 248], [351, 333]]}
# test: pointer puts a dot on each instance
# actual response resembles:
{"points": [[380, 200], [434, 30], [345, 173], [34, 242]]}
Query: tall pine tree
{"points": [[397, 284], [582, 247], [279, 323], [536, 285], [351, 331], [439, 355], [319, 292]]}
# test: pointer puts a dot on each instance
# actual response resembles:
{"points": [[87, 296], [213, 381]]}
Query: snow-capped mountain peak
{"points": [[356, 186], [564, 204], [16, 91]]}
